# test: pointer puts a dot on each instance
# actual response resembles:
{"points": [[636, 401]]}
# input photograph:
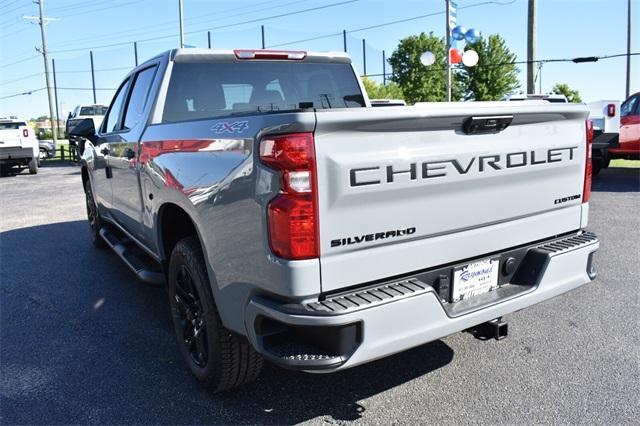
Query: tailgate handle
{"points": [[492, 124]]}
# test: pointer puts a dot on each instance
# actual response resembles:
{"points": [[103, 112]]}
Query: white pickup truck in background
{"points": [[18, 146], [80, 112]]}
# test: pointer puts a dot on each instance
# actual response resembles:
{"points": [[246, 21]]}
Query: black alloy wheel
{"points": [[93, 217], [193, 325]]}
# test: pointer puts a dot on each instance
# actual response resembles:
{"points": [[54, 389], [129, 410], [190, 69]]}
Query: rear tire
{"points": [[214, 355], [33, 166], [95, 223]]}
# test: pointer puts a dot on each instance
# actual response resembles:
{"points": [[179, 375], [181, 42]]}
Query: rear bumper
{"points": [[7, 154], [312, 338]]}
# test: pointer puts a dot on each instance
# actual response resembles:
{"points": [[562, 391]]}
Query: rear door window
{"points": [[112, 120], [11, 126], [218, 89], [139, 97]]}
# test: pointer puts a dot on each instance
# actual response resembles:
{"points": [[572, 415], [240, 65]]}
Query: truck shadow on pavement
{"points": [[90, 343], [617, 179]]}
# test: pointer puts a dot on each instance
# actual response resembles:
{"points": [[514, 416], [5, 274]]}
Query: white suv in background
{"points": [[18, 145]]}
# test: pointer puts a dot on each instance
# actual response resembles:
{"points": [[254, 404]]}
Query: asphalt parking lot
{"points": [[82, 341]]}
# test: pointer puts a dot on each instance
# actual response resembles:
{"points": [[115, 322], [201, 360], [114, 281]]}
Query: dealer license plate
{"points": [[474, 279]]}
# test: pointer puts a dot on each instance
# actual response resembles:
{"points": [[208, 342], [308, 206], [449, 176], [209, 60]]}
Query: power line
{"points": [[26, 77], [200, 19], [102, 8], [576, 60], [80, 5], [96, 70], [24, 93], [213, 28], [8, 4], [4, 6], [20, 61], [617, 55], [6, 12], [398, 21], [85, 88]]}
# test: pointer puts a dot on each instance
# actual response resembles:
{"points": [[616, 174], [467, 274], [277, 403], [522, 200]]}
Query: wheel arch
{"points": [[174, 224]]}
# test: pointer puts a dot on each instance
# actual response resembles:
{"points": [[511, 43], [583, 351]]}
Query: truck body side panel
{"points": [[214, 176]]}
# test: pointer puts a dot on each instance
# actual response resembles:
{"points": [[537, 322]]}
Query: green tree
{"points": [[381, 91], [564, 89], [495, 75], [420, 83]]}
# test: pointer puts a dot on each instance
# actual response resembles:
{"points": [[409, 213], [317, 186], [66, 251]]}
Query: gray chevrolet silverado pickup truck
{"points": [[291, 221]]}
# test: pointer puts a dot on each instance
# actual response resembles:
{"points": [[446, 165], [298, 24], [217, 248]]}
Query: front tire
{"points": [[214, 355], [95, 223]]}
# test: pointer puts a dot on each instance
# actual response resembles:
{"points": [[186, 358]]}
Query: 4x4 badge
{"points": [[226, 127]]}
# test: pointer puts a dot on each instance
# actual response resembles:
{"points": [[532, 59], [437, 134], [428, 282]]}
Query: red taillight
{"points": [[296, 55], [25, 133], [611, 110], [586, 192], [293, 214]]}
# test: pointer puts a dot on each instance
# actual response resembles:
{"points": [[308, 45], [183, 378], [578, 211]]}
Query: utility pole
{"points": [[532, 29], [181, 25], [42, 21], [262, 30], [448, 49], [628, 91]]}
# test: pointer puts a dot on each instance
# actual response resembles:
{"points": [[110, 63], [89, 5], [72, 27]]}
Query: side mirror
{"points": [[83, 127], [70, 115]]}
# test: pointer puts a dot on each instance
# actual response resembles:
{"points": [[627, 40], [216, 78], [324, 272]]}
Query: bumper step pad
{"points": [[371, 297], [388, 292]]}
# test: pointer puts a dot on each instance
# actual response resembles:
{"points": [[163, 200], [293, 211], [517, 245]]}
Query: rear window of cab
{"points": [[211, 90]]}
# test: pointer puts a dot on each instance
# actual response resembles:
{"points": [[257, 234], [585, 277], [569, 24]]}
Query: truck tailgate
{"points": [[403, 189], [11, 138]]}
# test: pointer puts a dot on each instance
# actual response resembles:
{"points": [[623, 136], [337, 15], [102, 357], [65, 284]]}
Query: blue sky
{"points": [[566, 29]]}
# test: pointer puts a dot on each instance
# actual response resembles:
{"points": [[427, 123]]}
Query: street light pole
{"points": [[448, 49], [181, 24]]}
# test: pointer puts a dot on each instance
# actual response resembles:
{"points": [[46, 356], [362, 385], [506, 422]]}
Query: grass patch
{"points": [[58, 157], [624, 163]]}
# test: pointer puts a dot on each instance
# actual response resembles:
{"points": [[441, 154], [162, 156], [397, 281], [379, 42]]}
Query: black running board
{"points": [[132, 257]]}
